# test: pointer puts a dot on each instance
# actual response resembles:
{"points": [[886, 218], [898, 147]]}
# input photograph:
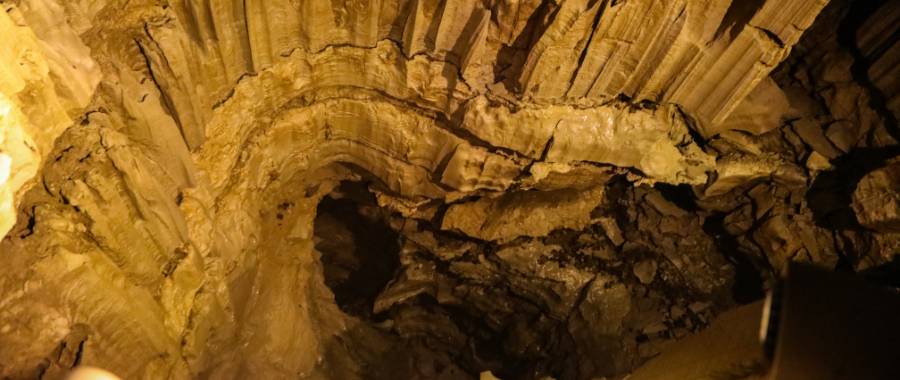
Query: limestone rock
{"points": [[816, 162], [814, 135], [736, 170], [657, 142], [527, 213], [548, 176], [47, 76], [876, 200], [763, 110], [608, 303], [645, 271]]}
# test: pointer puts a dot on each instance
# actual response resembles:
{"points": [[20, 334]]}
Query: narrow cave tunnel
{"points": [[450, 189], [360, 252]]}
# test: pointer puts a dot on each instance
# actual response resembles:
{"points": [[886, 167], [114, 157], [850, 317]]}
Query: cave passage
{"points": [[359, 250], [362, 257]]}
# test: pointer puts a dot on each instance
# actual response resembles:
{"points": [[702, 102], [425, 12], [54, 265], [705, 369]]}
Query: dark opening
{"points": [[359, 249], [681, 195], [361, 257], [748, 280], [738, 15], [454, 316]]}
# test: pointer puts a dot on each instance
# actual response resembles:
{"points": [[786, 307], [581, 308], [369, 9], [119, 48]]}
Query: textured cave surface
{"points": [[428, 188]]}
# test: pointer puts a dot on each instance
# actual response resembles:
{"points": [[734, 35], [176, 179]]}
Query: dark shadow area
{"points": [[458, 306], [859, 13], [887, 274], [528, 344], [748, 281], [738, 15], [491, 328], [831, 193], [359, 250], [681, 195], [511, 58]]}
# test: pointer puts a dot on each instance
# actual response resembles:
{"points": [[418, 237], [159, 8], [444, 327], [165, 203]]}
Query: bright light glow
{"points": [[5, 165], [91, 373], [766, 315], [4, 108]]}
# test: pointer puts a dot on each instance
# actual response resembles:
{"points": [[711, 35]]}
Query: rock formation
{"points": [[426, 188]]}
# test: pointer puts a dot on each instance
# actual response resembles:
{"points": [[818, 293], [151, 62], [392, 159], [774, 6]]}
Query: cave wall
{"points": [[639, 164]]}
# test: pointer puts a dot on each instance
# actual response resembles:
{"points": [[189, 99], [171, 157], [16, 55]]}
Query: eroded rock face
{"points": [[559, 187], [876, 201], [48, 78]]}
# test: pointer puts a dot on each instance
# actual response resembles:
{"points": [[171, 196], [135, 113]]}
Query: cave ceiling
{"points": [[422, 188]]}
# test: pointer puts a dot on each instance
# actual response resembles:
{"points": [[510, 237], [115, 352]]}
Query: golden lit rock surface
{"points": [[559, 187], [47, 77]]}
